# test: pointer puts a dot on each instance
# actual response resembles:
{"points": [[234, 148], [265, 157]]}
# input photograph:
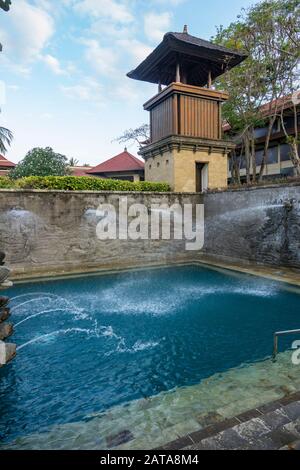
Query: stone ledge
{"points": [[6, 330], [4, 314], [7, 353], [270, 417]]}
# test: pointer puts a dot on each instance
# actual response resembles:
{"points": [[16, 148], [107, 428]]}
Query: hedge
{"points": [[81, 183], [6, 183]]}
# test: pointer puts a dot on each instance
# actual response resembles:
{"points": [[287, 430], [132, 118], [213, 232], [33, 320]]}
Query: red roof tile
{"points": [[122, 162], [80, 170], [4, 163]]}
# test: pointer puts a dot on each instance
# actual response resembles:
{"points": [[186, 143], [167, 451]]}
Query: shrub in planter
{"points": [[86, 183]]}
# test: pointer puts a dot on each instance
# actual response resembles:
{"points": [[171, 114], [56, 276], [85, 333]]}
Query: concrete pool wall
{"points": [[55, 231]]}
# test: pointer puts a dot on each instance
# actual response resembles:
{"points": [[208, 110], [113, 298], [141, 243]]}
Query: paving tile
{"points": [[198, 446], [263, 443], [207, 444], [282, 437], [293, 410], [293, 427], [253, 429], [229, 440], [178, 444], [270, 407], [243, 417], [213, 430], [276, 419]]}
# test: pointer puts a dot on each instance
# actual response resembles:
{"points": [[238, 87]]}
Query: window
{"points": [[285, 153], [272, 156], [158, 164], [260, 132]]}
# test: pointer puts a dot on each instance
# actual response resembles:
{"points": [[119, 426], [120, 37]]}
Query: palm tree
{"points": [[6, 137], [5, 4], [73, 162]]}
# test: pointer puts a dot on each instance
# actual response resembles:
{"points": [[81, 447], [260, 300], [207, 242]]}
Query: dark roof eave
{"points": [[193, 47]]}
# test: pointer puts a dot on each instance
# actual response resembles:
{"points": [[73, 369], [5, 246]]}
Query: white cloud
{"points": [[102, 59], [116, 11], [53, 64], [25, 31], [88, 90], [156, 25], [138, 50]]}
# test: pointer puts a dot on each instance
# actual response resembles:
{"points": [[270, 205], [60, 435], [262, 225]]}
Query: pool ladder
{"points": [[276, 338]]}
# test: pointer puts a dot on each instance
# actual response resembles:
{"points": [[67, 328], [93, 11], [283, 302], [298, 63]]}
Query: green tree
{"points": [[6, 137], [41, 162], [270, 33]]}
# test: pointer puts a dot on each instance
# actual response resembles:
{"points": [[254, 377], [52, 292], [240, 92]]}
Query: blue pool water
{"points": [[90, 343]]}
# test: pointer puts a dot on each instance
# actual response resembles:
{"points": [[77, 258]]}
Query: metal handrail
{"points": [[276, 337]]}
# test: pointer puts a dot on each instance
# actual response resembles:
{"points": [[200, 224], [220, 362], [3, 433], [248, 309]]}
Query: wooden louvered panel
{"points": [[162, 120], [199, 117]]}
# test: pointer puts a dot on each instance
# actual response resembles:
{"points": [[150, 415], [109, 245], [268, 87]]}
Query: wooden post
{"points": [[178, 78], [209, 80]]}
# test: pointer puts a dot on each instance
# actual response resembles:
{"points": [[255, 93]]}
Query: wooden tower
{"points": [[186, 147]]}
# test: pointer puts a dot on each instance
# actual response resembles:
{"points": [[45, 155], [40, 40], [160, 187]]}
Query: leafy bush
{"points": [[41, 162], [87, 183], [6, 183]]}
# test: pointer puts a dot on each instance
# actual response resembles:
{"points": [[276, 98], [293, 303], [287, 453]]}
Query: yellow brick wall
{"points": [[185, 169], [160, 168], [179, 169]]}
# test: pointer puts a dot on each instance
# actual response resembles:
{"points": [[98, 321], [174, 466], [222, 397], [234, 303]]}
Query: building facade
{"points": [[279, 161]]}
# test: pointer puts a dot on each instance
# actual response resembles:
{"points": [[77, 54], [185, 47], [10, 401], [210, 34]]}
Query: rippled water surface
{"points": [[88, 344]]}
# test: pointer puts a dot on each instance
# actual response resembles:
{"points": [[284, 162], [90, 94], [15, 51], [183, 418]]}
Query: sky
{"points": [[64, 64]]}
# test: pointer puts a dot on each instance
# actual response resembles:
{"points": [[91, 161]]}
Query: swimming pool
{"points": [[94, 344]]}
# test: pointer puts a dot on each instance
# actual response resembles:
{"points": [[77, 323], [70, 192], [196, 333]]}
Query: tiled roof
{"points": [[80, 170], [4, 163], [125, 161]]}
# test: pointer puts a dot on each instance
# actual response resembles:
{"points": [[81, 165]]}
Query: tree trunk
{"points": [[253, 156], [266, 148], [247, 157]]}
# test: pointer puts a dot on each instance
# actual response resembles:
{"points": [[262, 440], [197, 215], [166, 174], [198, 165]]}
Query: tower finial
{"points": [[185, 29], [125, 149]]}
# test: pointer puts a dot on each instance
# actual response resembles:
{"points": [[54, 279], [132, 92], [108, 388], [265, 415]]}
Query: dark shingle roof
{"points": [[197, 57]]}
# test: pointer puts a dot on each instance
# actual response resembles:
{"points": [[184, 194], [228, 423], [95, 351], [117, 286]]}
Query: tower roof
{"points": [[196, 56], [125, 161]]}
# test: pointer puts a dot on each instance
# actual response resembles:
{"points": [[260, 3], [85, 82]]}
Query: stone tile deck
{"points": [[275, 426]]}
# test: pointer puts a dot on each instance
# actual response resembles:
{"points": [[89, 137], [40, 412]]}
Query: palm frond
{"points": [[6, 137]]}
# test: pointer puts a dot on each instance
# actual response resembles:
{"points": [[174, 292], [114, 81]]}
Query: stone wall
{"points": [[260, 225], [53, 231], [48, 232]]}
